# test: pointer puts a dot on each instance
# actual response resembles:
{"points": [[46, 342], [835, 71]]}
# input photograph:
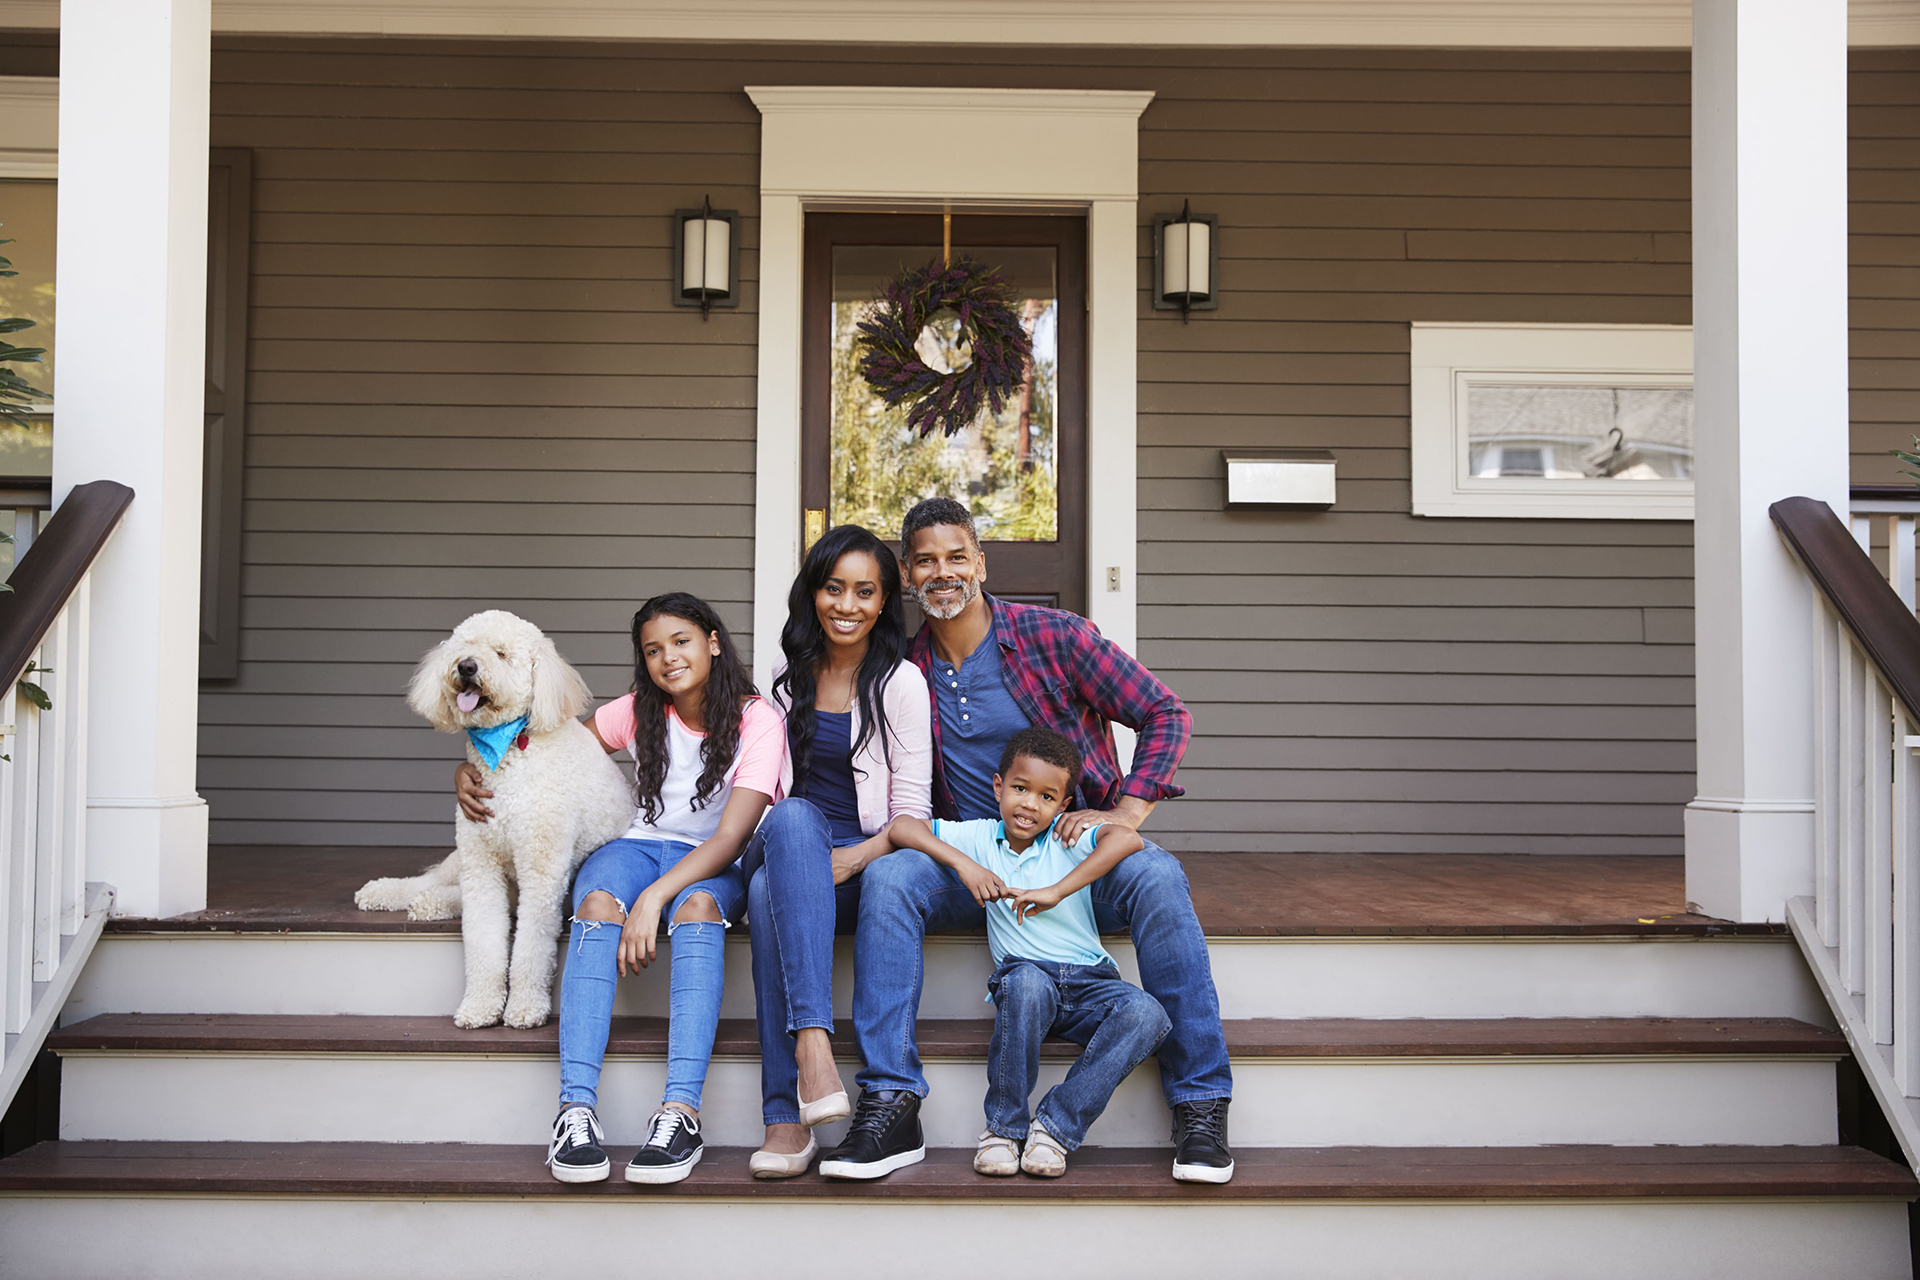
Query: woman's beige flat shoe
{"points": [[830, 1108], [773, 1164]]}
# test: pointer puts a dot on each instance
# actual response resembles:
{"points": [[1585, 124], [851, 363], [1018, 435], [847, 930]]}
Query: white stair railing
{"points": [[1886, 515], [50, 916], [1860, 931]]}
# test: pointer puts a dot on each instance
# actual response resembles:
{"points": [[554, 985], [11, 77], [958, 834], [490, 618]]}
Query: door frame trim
{"points": [[807, 161]]}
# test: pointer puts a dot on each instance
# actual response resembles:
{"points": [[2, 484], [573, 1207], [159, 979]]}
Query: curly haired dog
{"points": [[557, 796]]}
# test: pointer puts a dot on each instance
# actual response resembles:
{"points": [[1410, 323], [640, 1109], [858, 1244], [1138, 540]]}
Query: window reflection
{"points": [[1579, 432]]}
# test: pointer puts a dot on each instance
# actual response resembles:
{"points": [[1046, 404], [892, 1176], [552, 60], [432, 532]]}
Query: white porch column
{"points": [[132, 275], [1770, 378]]}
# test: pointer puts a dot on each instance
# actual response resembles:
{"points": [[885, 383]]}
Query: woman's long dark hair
{"points": [[804, 641], [729, 685]]}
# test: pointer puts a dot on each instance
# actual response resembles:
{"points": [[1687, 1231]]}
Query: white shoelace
{"points": [[576, 1126], [664, 1124]]}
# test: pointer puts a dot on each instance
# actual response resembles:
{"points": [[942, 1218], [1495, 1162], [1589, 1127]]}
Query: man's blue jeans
{"points": [[1088, 1004], [624, 869], [794, 909], [907, 893]]}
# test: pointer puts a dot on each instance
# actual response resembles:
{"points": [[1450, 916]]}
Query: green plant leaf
{"points": [[16, 323], [36, 695]]}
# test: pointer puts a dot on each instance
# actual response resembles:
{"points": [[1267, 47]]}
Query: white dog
{"points": [[557, 796]]}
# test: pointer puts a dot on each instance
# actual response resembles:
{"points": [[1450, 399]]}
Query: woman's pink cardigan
{"points": [[884, 795]]}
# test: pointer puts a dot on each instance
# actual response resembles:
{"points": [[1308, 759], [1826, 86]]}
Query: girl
{"points": [[860, 755], [707, 758]]}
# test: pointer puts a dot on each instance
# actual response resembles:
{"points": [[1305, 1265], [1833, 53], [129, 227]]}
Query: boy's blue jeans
{"points": [[906, 893], [697, 963], [1088, 1004], [795, 909]]}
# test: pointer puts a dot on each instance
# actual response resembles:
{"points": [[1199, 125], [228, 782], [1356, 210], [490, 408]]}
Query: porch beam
{"points": [[1770, 386], [132, 270]]}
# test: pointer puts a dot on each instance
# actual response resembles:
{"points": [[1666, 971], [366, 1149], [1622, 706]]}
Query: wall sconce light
{"points": [[1186, 261], [706, 257]]}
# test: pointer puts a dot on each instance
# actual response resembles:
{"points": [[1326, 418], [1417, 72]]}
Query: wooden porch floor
{"points": [[310, 889]]}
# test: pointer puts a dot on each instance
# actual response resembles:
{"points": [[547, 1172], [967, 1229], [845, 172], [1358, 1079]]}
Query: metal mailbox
{"points": [[1278, 479]]}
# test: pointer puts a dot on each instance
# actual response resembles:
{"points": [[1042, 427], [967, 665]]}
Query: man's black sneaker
{"points": [[574, 1153], [671, 1150], [1200, 1151], [884, 1136]]}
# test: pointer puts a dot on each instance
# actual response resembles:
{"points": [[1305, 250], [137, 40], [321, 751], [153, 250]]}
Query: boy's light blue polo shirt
{"points": [[1064, 935]]}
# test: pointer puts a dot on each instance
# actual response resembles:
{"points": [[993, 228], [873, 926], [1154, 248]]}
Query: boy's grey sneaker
{"points": [[884, 1136], [1200, 1151], [1044, 1156], [574, 1152], [671, 1150]]}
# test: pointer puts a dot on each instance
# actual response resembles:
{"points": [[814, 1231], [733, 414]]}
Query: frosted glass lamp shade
{"points": [[1189, 268], [706, 258], [705, 273]]}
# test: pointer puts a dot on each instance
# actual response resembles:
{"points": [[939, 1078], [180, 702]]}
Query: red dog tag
{"points": [[521, 742]]}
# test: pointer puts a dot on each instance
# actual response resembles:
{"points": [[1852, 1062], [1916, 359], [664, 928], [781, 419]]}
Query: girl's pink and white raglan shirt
{"points": [[756, 766]]}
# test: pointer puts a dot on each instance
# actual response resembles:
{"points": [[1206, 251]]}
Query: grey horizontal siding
{"points": [[470, 390], [1362, 680]]}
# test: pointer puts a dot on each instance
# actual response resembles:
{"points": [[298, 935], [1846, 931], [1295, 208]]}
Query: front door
{"points": [[1023, 471]]}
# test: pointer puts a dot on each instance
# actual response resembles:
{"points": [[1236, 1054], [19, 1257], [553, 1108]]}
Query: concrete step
{"points": [[1309, 1082], [214, 1210], [1672, 974]]}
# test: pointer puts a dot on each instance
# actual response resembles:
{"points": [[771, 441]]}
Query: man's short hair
{"points": [[1047, 747], [935, 511]]}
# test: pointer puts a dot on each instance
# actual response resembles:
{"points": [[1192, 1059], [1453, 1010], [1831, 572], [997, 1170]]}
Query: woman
{"points": [[860, 754], [708, 758]]}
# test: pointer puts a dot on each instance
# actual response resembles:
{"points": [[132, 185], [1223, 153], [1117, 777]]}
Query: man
{"points": [[995, 668]]}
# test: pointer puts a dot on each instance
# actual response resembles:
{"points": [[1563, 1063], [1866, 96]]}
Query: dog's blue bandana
{"points": [[493, 743]]}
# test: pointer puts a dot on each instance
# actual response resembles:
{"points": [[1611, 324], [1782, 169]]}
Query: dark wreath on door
{"points": [[1022, 471]]}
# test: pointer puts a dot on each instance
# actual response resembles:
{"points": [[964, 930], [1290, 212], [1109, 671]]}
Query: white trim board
{"points": [[1092, 139], [1445, 357], [1641, 24]]}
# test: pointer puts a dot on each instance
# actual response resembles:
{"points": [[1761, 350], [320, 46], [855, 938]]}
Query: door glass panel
{"points": [[27, 217], [1002, 467]]}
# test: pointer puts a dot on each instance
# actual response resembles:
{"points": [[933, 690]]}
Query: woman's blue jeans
{"points": [[1088, 1004], [795, 910], [696, 960]]}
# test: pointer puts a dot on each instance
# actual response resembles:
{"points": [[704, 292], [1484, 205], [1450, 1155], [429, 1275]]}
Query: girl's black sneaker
{"points": [[574, 1152], [671, 1150]]}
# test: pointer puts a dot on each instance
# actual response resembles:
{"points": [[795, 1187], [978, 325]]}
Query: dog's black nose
{"points": [[467, 668]]}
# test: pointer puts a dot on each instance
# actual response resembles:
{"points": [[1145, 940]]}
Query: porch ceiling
{"points": [[1426, 23]]}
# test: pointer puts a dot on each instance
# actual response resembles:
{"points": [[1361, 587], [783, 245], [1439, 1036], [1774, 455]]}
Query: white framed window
{"points": [[1553, 421]]}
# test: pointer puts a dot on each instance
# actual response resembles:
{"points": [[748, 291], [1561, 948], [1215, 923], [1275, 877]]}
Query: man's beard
{"points": [[969, 591]]}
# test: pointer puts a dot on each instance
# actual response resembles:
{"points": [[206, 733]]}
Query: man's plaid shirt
{"points": [[1069, 678]]}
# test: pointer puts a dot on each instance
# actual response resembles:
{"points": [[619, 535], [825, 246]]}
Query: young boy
{"points": [[1053, 976]]}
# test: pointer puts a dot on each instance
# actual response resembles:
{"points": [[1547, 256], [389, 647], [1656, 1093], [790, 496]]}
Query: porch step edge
{"points": [[363, 1169]]}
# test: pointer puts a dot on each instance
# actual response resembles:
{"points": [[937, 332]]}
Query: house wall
{"points": [[468, 389]]}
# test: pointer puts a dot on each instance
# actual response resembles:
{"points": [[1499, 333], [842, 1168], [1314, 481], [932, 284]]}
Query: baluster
{"points": [[1877, 743], [1906, 904], [73, 797], [53, 726], [9, 855], [1853, 771], [1862, 529], [22, 839], [1827, 646], [1900, 558]]}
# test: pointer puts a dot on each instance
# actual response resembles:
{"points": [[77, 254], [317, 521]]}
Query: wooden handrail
{"points": [[52, 567], [1887, 630]]}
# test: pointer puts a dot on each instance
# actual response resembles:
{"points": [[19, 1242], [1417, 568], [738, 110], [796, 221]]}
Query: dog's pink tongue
{"points": [[467, 701]]}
